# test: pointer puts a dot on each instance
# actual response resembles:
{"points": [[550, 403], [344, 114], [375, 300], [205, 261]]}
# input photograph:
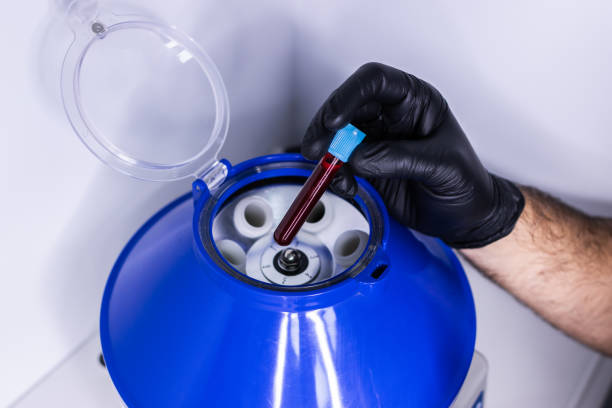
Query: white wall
{"points": [[527, 80]]}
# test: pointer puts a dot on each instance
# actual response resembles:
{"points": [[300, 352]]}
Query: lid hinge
{"points": [[215, 175]]}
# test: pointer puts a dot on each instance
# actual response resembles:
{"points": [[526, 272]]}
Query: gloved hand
{"points": [[417, 157]]}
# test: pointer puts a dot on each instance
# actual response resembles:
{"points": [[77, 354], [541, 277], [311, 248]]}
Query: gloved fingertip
{"points": [[314, 149], [334, 115], [344, 185], [362, 162], [334, 121]]}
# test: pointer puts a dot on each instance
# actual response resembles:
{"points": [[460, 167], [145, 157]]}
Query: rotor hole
{"points": [[317, 213], [232, 252], [348, 246], [255, 215]]}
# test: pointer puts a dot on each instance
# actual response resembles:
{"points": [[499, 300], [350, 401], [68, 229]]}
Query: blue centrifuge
{"points": [[202, 308]]}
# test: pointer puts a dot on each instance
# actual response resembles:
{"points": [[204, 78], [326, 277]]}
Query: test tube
{"points": [[340, 149]]}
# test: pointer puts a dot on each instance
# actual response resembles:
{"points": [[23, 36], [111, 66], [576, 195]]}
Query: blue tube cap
{"points": [[345, 141]]}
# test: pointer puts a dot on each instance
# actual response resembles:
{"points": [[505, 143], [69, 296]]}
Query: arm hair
{"points": [[557, 261]]}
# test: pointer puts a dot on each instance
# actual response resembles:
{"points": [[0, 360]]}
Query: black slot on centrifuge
{"points": [[378, 271]]}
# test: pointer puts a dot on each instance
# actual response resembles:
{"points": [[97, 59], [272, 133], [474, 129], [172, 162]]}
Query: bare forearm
{"points": [[558, 262]]}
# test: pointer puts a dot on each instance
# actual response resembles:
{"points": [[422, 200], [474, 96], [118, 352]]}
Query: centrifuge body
{"points": [[179, 328]]}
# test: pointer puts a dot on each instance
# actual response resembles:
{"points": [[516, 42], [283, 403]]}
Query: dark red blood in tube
{"points": [[308, 196]]}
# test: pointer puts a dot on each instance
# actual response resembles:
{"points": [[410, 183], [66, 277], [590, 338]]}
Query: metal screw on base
{"points": [[290, 262], [289, 257]]}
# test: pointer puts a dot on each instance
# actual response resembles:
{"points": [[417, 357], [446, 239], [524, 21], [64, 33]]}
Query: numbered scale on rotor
{"points": [[295, 265]]}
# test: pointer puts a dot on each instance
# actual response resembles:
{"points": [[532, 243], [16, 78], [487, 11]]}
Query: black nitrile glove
{"points": [[417, 157]]}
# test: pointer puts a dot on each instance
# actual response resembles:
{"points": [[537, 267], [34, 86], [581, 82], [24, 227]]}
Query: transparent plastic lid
{"points": [[143, 96]]}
